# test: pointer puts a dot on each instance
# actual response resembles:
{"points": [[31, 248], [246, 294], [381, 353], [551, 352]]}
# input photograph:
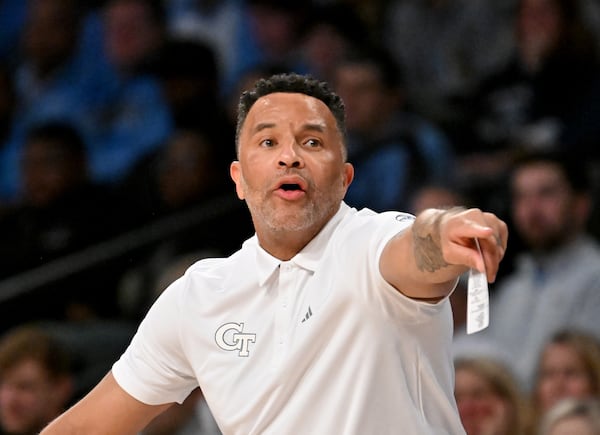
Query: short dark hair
{"points": [[390, 73], [29, 342], [188, 58], [292, 83], [573, 168]]}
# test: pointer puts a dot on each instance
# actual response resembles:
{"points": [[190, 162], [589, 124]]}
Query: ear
{"points": [[348, 174], [235, 172]]}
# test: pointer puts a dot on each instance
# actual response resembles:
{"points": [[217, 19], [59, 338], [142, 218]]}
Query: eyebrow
{"points": [[263, 126], [319, 127], [314, 127]]}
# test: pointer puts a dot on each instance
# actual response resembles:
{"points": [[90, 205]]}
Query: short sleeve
{"points": [[154, 369]]}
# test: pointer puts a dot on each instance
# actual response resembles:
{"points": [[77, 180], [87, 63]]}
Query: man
{"points": [[556, 282], [36, 383], [328, 320]]}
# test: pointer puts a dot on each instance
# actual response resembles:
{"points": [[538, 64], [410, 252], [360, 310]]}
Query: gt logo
{"points": [[231, 336]]}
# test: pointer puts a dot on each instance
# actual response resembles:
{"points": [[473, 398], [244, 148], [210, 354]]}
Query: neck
{"points": [[284, 245]]}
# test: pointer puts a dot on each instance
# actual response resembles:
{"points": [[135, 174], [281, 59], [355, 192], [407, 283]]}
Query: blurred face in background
{"points": [[188, 170], [480, 407], [546, 211], [324, 47], [367, 100], [562, 374], [275, 29], [50, 34], [49, 171], [29, 398], [539, 29], [131, 32]]}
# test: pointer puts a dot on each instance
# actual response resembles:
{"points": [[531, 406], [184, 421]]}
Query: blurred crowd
{"points": [[117, 127]]}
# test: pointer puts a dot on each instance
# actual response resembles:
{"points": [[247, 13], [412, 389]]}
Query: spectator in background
{"points": [[548, 94], [183, 174], [444, 47], [36, 383], [489, 398], [332, 32], [135, 118], [61, 212], [50, 75], [61, 209], [185, 183], [568, 367], [244, 34], [556, 281], [222, 25], [572, 416], [275, 30], [392, 149], [52, 80], [190, 79]]}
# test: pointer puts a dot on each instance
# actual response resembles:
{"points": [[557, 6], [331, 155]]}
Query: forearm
{"points": [[424, 262], [106, 409], [414, 264], [63, 425]]}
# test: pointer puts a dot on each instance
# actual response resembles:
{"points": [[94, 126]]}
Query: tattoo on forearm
{"points": [[427, 245], [428, 254]]}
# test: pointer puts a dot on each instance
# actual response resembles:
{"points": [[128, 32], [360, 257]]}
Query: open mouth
{"points": [[290, 187], [291, 190]]}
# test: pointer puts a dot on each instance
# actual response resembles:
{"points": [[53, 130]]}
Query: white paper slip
{"points": [[478, 300]]}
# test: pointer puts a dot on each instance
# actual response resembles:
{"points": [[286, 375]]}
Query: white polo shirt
{"points": [[319, 344]]}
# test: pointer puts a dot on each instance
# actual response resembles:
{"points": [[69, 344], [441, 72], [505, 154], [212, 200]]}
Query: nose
{"points": [[289, 156]]}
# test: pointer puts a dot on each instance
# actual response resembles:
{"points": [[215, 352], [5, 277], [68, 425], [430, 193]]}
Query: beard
{"points": [[315, 211], [543, 237]]}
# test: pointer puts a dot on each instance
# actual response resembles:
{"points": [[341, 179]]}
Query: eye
{"points": [[268, 143], [312, 143]]}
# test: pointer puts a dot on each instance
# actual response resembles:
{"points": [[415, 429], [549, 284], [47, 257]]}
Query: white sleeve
{"points": [[154, 369]]}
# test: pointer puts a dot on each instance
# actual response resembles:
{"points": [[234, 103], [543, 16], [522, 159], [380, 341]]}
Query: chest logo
{"points": [[231, 336]]}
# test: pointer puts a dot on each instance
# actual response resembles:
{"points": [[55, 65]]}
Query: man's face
{"points": [[291, 169], [543, 206], [27, 398]]}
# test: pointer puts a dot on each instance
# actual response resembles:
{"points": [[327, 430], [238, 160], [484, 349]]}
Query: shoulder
{"points": [[367, 228], [367, 218]]}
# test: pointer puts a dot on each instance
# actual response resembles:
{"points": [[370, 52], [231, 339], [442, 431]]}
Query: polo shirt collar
{"points": [[310, 255]]}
